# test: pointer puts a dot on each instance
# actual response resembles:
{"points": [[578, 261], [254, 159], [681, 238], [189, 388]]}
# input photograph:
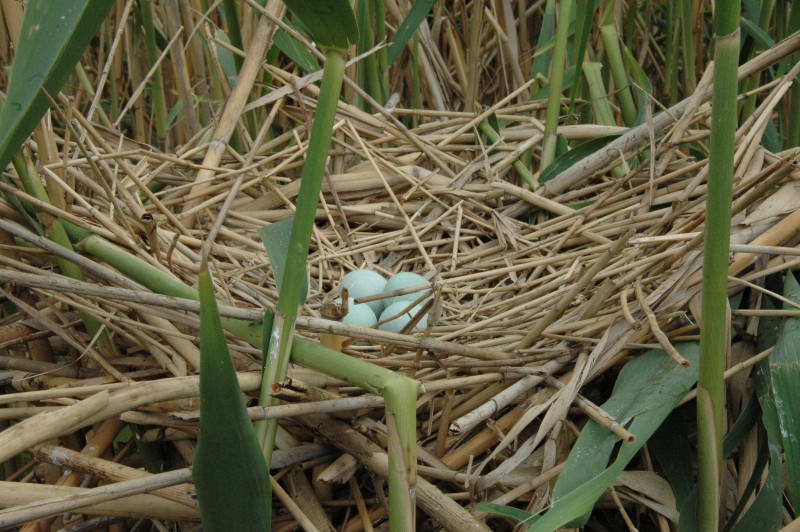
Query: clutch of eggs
{"points": [[365, 283]]}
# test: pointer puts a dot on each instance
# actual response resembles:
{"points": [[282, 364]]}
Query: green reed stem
{"points": [[673, 34], [157, 80], [714, 337], [518, 165], [619, 74], [400, 392], [54, 230], [556, 82], [687, 47], [280, 342]]}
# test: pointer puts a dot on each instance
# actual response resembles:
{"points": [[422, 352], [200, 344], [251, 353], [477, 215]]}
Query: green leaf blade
{"points": [[229, 469], [296, 51], [573, 156], [51, 42], [276, 238], [784, 366], [408, 27], [646, 391], [767, 509], [332, 23]]}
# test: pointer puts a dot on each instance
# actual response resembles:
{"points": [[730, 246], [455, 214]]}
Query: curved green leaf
{"points": [[509, 512], [331, 23], [646, 391], [547, 33], [769, 328], [761, 37], [409, 26], [229, 469], [51, 41], [296, 51]]}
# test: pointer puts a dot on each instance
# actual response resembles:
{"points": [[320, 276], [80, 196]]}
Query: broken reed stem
{"points": [[662, 339]]}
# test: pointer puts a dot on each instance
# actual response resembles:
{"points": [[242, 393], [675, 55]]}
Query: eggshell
{"points": [[405, 280], [398, 323], [362, 283]]}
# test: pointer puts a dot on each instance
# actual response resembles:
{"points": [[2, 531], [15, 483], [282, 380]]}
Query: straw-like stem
{"points": [[715, 339], [400, 392]]}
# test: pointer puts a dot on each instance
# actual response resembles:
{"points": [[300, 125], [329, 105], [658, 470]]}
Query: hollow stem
{"points": [[280, 341], [556, 82], [714, 337]]}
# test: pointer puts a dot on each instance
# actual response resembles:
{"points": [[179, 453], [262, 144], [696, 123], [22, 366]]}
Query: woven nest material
{"points": [[537, 292]]}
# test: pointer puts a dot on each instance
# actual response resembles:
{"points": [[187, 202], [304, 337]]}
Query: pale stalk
{"points": [[399, 392]]}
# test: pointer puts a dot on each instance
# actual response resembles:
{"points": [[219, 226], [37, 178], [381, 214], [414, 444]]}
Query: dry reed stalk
{"points": [[410, 190]]}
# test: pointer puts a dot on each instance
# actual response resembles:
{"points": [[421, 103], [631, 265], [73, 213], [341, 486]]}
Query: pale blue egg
{"points": [[398, 323], [405, 280], [360, 314], [363, 283]]}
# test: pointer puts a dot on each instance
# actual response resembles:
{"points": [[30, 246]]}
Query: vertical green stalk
{"points": [[400, 393], [280, 342], [583, 28], [157, 81], [747, 52], [556, 82], [401, 416], [793, 127], [603, 114], [379, 23], [369, 69], [687, 48], [673, 29], [714, 337], [619, 74]]}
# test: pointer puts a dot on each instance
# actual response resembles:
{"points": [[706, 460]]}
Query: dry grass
{"points": [[528, 285]]}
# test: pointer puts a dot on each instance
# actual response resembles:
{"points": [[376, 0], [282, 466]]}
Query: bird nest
{"points": [[538, 292]]}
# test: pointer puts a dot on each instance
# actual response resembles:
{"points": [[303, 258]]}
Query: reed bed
{"points": [[542, 290]]}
